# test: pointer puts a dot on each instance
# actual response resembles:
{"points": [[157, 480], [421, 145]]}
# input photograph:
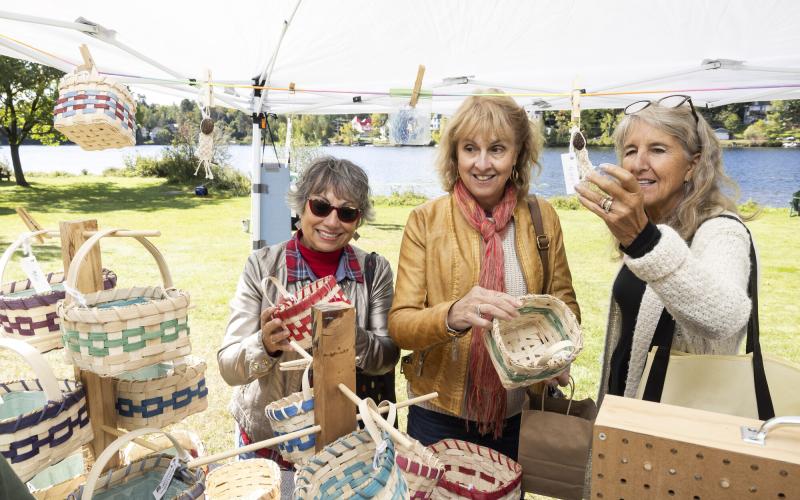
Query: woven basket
{"points": [[126, 328], [293, 413], [161, 394], [59, 480], [473, 471], [358, 465], [295, 310], [419, 465], [537, 345], [31, 316], [42, 420], [95, 112], [188, 440], [254, 479], [140, 478]]}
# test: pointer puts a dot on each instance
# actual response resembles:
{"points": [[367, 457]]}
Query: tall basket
{"points": [[537, 345], [94, 111], [43, 420], [161, 394], [293, 413], [28, 315], [140, 478], [124, 329], [476, 472]]}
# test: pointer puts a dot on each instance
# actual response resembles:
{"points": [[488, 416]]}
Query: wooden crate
{"points": [[650, 450]]}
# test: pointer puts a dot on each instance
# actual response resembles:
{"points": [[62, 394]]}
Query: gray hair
{"points": [[347, 180]]}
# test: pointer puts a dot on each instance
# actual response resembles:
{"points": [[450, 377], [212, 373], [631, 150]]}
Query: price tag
{"points": [[569, 165], [164, 484], [35, 274]]}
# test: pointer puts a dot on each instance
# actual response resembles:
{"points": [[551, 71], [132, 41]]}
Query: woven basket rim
{"points": [[191, 363], [92, 300], [290, 309], [46, 298], [289, 401], [51, 409]]}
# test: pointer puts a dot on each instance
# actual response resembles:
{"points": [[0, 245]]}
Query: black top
{"points": [[627, 291]]}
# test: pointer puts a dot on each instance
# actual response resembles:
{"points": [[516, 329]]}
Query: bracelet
{"points": [[455, 333]]}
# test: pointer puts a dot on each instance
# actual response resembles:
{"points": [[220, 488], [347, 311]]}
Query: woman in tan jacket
{"points": [[463, 260]]}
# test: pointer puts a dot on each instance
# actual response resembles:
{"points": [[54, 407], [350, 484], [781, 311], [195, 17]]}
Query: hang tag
{"points": [[35, 274], [569, 165], [164, 484]]}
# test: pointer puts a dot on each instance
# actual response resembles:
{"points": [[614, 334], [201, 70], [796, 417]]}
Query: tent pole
{"points": [[40, 58], [13, 16], [255, 178]]}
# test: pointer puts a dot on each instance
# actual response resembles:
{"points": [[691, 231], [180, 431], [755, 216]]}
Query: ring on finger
{"points": [[606, 203]]}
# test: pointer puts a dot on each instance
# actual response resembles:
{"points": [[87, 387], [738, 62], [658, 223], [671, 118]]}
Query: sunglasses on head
{"points": [[322, 208], [671, 101]]}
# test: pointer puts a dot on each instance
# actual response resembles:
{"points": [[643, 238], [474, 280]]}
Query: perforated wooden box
{"points": [[650, 450]]}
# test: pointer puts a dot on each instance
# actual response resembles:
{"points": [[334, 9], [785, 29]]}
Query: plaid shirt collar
{"points": [[298, 270]]}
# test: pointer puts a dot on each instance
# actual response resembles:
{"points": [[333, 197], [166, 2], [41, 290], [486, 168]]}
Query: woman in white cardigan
{"points": [[663, 206]]}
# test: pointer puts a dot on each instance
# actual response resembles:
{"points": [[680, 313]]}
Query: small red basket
{"points": [[295, 310]]}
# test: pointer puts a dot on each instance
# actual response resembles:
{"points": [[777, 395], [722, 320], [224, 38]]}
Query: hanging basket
{"points": [[358, 465], [254, 479], [476, 472], [537, 345], [126, 328], [161, 394], [94, 111], [140, 479], [42, 421], [295, 310], [293, 413], [31, 316]]}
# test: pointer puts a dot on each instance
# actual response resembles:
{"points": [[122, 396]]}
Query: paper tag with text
{"points": [[35, 274], [164, 484], [571, 176]]}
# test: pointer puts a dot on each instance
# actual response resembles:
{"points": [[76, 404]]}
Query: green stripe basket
{"points": [[537, 345], [114, 331]]}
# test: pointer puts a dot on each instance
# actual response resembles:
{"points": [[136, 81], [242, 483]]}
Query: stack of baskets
{"points": [[42, 420], [293, 413], [537, 345], [473, 471], [31, 316], [95, 112]]}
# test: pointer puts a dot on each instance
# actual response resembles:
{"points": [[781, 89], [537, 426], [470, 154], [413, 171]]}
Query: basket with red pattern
{"points": [[472, 471], [295, 310]]}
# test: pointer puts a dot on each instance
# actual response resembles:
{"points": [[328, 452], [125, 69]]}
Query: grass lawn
{"points": [[205, 247]]}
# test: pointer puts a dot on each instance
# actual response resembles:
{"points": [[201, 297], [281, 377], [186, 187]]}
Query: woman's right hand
{"points": [[479, 306], [273, 335]]}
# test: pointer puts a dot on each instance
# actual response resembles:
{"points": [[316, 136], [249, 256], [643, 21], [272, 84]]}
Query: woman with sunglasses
{"points": [[332, 198], [685, 252], [464, 259]]}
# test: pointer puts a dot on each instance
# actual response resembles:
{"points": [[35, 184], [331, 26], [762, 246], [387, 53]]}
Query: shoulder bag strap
{"points": [[542, 241]]}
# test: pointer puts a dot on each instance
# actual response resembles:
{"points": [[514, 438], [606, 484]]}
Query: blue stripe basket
{"points": [[293, 413]]}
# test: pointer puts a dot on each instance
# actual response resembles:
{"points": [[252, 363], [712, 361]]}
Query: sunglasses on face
{"points": [[671, 101], [322, 208]]}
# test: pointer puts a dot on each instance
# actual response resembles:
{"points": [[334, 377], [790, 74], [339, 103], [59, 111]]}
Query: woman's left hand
{"points": [[624, 215]]}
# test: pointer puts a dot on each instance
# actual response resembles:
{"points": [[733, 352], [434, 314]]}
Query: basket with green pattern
{"points": [[537, 345], [114, 331]]}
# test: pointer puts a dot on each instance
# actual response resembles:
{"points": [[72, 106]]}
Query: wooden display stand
{"points": [[650, 450]]}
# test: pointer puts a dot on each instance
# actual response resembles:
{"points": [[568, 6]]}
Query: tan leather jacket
{"points": [[243, 361], [439, 263]]}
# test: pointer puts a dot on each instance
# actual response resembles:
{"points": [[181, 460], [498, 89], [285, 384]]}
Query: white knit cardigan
{"points": [[703, 286]]}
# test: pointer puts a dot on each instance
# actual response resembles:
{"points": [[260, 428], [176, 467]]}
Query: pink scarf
{"points": [[486, 401]]}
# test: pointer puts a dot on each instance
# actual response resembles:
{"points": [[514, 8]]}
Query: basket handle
{"points": [[83, 251], [6, 258], [369, 423], [553, 349], [281, 289], [36, 361], [571, 394], [306, 384], [392, 414], [115, 447]]}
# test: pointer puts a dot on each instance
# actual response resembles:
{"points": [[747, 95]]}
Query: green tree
{"points": [[785, 114], [28, 93]]}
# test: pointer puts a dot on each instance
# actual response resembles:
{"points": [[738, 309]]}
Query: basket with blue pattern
{"points": [[293, 413]]}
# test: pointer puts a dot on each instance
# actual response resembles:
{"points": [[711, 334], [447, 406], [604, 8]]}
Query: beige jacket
{"points": [[245, 364], [439, 263]]}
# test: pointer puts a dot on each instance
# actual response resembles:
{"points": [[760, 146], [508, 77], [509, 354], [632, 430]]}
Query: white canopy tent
{"points": [[347, 56]]}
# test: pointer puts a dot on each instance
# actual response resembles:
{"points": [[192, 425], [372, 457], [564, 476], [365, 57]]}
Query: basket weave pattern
{"points": [[158, 402], [39, 438], [537, 345], [293, 413], [344, 469], [421, 469], [110, 339], [255, 479], [473, 471], [295, 311], [95, 112], [25, 316]]}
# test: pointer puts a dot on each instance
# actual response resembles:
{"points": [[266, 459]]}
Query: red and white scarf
{"points": [[486, 401]]}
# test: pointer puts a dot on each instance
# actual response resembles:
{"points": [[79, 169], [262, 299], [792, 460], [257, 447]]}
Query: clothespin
{"points": [[209, 94], [291, 87], [88, 61], [417, 86], [575, 117]]}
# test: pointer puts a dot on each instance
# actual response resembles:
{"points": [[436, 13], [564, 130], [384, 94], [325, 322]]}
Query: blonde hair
{"points": [[495, 116], [703, 193]]}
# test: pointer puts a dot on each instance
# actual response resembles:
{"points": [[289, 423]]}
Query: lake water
{"points": [[769, 176]]}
